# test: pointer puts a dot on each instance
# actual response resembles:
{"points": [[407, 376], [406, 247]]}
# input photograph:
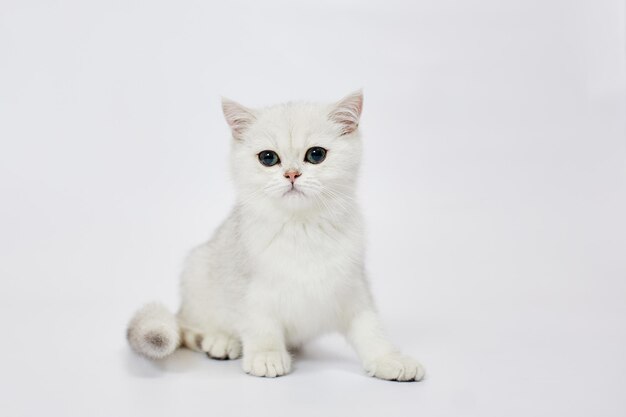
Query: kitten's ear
{"points": [[347, 112], [238, 117]]}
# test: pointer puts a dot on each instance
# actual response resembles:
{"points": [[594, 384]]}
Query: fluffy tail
{"points": [[153, 331]]}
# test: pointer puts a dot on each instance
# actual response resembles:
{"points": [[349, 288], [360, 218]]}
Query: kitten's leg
{"points": [[264, 350], [380, 358], [216, 344], [202, 317]]}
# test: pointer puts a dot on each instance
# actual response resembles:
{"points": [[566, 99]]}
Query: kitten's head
{"points": [[296, 156]]}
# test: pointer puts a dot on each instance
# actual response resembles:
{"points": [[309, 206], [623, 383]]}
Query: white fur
{"points": [[285, 266]]}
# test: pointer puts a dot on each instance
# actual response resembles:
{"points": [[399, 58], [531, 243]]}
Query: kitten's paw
{"points": [[221, 346], [395, 367], [270, 364]]}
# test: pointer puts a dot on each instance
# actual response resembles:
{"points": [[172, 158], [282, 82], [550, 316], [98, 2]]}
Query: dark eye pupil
{"points": [[316, 155], [268, 158]]}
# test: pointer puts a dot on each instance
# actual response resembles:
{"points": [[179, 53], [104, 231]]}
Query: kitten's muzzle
{"points": [[292, 175]]}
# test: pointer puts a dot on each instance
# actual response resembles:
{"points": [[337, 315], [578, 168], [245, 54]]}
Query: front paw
{"points": [[395, 367], [270, 364]]}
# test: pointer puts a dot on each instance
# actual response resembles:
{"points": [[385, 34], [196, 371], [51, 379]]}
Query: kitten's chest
{"points": [[306, 248], [303, 272]]}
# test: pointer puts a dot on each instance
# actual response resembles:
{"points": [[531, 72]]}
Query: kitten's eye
{"points": [[315, 155], [268, 158]]}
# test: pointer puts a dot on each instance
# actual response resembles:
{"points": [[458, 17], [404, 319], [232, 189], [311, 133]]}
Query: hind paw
{"points": [[220, 346]]}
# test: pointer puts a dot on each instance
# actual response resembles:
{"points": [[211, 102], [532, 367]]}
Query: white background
{"points": [[494, 187]]}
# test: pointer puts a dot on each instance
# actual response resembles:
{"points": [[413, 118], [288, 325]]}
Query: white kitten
{"points": [[287, 264]]}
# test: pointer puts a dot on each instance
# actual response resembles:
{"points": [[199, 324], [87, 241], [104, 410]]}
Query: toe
{"points": [[207, 343], [234, 349], [218, 350]]}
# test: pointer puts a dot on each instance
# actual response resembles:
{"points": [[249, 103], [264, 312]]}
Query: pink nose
{"points": [[292, 175]]}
